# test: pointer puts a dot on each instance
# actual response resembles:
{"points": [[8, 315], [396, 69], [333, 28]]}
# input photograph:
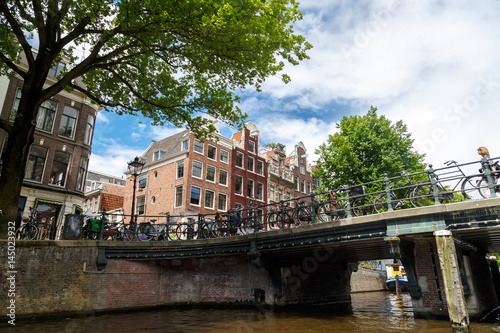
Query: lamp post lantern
{"points": [[135, 169]]}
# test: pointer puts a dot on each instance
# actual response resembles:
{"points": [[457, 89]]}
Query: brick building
{"points": [[183, 176], [55, 172], [248, 170]]}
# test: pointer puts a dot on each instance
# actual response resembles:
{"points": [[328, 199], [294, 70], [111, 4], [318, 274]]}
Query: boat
{"points": [[396, 278]]}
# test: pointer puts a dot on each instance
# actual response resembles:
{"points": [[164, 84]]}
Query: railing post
{"points": [[103, 218], [489, 179], [348, 202], [200, 218], [313, 208], [255, 219], [228, 224], [388, 193], [432, 177], [282, 214]]}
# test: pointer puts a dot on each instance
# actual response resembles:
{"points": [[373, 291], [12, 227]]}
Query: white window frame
{"points": [[226, 155], [242, 160], [206, 196], [198, 143], [227, 175], [201, 170], [208, 151], [302, 186], [261, 187], [225, 202], [250, 190], [185, 145], [261, 163], [251, 162], [215, 173], [236, 183], [177, 166], [252, 144], [302, 169], [175, 196], [190, 196]]}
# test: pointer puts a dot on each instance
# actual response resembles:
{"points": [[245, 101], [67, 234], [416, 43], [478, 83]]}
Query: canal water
{"points": [[370, 312]]}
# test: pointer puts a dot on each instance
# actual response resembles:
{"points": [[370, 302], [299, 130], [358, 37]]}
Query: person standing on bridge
{"points": [[483, 151]]}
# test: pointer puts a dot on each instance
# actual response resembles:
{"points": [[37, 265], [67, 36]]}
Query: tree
{"points": [[364, 148], [167, 60]]}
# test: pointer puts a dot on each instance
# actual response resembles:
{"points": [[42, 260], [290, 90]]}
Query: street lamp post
{"points": [[135, 169]]}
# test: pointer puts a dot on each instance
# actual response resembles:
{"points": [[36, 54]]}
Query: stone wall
{"points": [[364, 280]]}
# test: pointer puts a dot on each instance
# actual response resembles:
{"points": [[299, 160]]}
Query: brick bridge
{"points": [[443, 249]]}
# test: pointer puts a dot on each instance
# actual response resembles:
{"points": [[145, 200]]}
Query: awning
{"points": [[48, 201]]}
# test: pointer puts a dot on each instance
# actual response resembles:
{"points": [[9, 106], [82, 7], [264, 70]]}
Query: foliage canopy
{"points": [[364, 149], [170, 61]]}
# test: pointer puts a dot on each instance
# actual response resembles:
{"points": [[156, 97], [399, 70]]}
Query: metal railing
{"points": [[430, 187]]}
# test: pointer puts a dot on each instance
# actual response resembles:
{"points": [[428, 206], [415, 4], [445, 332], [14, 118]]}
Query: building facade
{"points": [[289, 176], [104, 192], [54, 180], [182, 175], [248, 170]]}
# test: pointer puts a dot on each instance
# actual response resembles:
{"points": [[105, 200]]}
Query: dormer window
{"points": [[158, 154]]}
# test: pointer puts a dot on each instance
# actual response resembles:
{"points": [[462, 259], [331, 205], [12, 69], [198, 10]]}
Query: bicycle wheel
{"points": [[144, 232], [362, 206], [380, 203], [126, 235], [328, 211], [422, 195], [470, 187], [272, 221], [303, 216], [28, 231], [484, 190]]}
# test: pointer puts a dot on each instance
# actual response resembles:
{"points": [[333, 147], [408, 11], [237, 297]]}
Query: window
{"points": [[68, 122], [153, 200], [180, 170], [155, 175], [195, 195], [139, 208], [250, 188], [239, 185], [280, 195], [46, 115], [15, 107], [157, 155], [296, 182], [209, 199], [35, 164], [239, 160], [222, 205], [197, 169], [222, 177], [143, 180], [212, 152], [224, 156], [302, 186], [250, 164], [271, 192], [309, 190], [81, 174], [260, 190], [57, 69], [185, 145], [302, 169], [178, 196], [260, 167], [210, 173], [251, 146], [59, 169], [198, 146]]}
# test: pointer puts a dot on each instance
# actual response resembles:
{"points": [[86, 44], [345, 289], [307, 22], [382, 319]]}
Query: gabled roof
{"points": [[237, 137], [171, 146], [113, 189]]}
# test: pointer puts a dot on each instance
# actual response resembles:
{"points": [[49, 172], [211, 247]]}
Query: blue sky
{"points": [[433, 64]]}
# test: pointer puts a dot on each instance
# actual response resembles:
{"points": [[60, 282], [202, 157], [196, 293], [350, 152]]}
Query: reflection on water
{"points": [[370, 312]]}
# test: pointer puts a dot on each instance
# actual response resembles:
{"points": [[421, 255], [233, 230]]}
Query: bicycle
{"points": [[29, 230], [193, 230], [482, 183], [380, 201], [330, 210], [279, 218], [468, 184], [360, 204]]}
